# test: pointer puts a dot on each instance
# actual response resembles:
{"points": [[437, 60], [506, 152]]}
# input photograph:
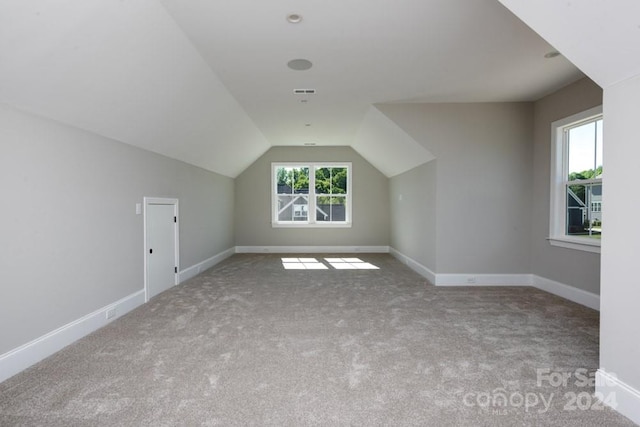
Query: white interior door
{"points": [[161, 244]]}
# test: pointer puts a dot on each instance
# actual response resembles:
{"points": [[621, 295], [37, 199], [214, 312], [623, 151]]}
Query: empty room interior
{"points": [[319, 213]]}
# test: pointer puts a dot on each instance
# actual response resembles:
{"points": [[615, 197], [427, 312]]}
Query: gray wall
{"points": [[569, 266], [71, 241], [484, 178], [412, 198], [370, 202], [620, 317]]}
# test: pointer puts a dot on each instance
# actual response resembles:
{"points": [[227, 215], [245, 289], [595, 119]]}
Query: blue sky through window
{"points": [[585, 147]]}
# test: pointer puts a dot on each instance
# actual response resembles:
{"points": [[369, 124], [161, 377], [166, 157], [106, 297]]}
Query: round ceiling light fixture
{"points": [[552, 54], [299, 64], [294, 18]]}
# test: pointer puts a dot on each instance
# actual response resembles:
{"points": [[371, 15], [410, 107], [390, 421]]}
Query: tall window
{"points": [[311, 194], [576, 181]]}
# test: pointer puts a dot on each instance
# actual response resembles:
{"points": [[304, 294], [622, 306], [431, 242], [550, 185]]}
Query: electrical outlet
{"points": [[471, 279], [111, 313]]}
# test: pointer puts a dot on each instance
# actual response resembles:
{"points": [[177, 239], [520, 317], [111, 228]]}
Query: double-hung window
{"points": [[576, 181], [311, 194]]}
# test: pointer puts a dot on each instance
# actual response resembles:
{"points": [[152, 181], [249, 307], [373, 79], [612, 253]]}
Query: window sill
{"points": [[580, 244], [315, 225]]}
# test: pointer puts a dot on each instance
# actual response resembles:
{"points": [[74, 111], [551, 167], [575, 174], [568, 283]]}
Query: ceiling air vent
{"points": [[304, 91]]}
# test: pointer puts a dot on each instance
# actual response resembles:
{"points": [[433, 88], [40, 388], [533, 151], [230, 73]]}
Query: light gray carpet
{"points": [[248, 343]]}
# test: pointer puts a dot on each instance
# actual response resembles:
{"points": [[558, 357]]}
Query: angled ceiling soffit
{"points": [[387, 146]]}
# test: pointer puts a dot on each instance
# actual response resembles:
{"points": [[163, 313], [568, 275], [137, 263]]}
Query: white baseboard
{"points": [[618, 395], [32, 352], [196, 269], [414, 265], [483, 280], [310, 249], [571, 293]]}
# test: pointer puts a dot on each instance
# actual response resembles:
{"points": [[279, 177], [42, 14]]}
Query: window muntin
{"points": [[311, 194], [576, 182]]}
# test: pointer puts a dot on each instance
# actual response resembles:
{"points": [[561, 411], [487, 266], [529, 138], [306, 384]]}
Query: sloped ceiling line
{"points": [[126, 71]]}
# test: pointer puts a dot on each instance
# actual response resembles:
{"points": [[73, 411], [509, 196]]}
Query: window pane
{"points": [[339, 180], [331, 180], [301, 183], [585, 151], [584, 210], [292, 180], [331, 208], [284, 180], [293, 208], [323, 181]]}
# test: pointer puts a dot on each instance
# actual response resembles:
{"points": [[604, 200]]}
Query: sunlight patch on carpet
{"points": [[303, 264], [350, 264]]}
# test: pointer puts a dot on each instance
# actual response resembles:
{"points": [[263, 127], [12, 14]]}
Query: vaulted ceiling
{"points": [[207, 82], [602, 39]]}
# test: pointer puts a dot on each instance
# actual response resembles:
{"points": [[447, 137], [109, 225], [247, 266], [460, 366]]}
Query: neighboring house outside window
{"points": [[576, 181], [309, 194]]}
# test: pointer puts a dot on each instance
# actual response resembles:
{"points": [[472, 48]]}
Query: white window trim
{"points": [[558, 208], [311, 221]]}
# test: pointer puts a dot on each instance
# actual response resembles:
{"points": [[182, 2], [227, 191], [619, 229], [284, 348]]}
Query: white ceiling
{"points": [[124, 70], [603, 39], [206, 81]]}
